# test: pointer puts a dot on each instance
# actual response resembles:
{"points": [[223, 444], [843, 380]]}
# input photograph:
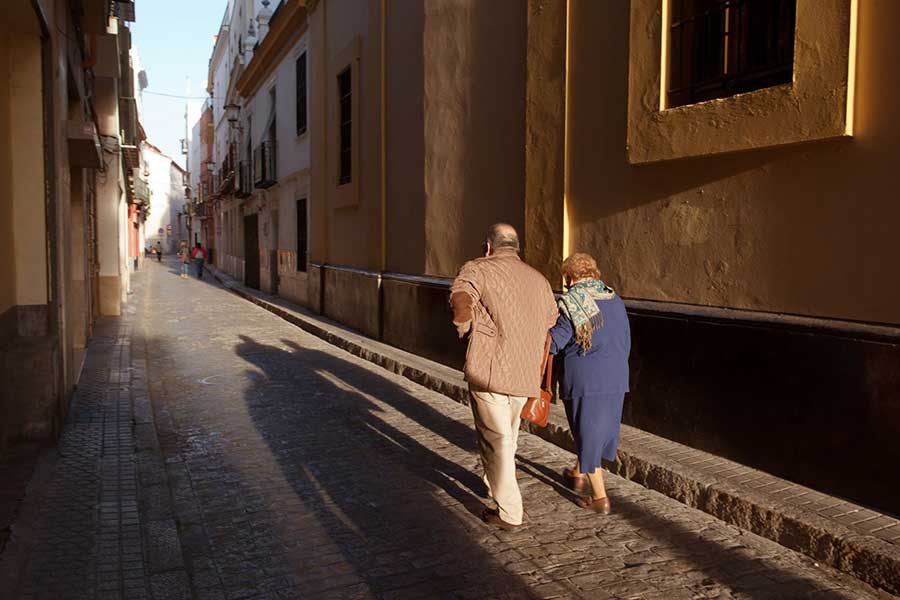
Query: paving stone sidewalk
{"points": [[274, 465], [78, 532]]}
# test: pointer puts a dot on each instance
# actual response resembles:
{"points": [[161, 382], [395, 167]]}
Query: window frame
{"points": [[346, 195], [816, 105], [718, 47], [345, 119], [301, 88]]}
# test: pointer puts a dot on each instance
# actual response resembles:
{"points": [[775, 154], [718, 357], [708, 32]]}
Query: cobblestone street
{"points": [[286, 468]]}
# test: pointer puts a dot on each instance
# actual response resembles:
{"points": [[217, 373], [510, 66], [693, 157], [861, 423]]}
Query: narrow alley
{"points": [[287, 468]]}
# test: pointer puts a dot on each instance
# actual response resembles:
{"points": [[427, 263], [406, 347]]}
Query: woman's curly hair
{"points": [[580, 265]]}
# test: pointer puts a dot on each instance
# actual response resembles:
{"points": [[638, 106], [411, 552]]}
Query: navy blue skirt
{"points": [[594, 420]]}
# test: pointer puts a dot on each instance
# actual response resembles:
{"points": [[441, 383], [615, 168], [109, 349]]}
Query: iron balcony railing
{"points": [[141, 189], [226, 174]]}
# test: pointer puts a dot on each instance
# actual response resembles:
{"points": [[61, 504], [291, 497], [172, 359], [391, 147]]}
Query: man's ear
{"points": [[487, 249]]}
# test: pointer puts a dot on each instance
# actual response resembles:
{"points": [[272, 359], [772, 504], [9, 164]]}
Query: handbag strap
{"points": [[548, 373], [547, 364]]}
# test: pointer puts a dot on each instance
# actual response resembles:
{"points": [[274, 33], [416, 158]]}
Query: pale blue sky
{"points": [[174, 39]]}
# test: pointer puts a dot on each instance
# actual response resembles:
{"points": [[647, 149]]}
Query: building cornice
{"points": [[284, 31]]}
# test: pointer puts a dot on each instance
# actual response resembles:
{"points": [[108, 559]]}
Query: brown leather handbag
{"points": [[537, 410]]}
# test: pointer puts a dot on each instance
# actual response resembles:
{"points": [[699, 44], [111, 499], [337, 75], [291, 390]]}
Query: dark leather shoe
{"points": [[577, 482], [491, 516], [600, 505]]}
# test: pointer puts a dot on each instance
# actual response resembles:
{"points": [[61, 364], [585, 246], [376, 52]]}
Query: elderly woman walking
{"points": [[593, 339]]}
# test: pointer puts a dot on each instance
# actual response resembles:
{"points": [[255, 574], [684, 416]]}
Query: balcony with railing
{"points": [[264, 160], [141, 188], [225, 176]]}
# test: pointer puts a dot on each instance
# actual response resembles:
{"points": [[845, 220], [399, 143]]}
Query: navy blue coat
{"points": [[604, 368]]}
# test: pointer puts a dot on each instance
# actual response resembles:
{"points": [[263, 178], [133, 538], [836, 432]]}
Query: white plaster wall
{"points": [[196, 156], [165, 200], [293, 150], [194, 109], [109, 223], [122, 226]]}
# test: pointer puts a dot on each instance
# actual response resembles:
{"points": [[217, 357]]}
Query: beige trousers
{"points": [[497, 418]]}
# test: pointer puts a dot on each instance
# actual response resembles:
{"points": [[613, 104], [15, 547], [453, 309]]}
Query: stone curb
{"points": [[867, 558]]}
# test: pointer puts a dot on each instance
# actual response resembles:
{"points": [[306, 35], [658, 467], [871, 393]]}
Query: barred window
{"points": [[720, 48], [301, 93], [345, 124]]}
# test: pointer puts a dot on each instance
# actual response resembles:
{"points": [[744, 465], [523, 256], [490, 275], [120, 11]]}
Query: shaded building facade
{"points": [[69, 129]]}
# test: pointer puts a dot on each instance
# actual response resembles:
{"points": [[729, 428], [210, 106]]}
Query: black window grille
{"points": [[302, 239], [345, 120], [301, 94], [720, 48], [250, 166]]}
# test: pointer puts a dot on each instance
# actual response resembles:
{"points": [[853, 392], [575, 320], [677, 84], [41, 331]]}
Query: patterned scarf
{"points": [[579, 304]]}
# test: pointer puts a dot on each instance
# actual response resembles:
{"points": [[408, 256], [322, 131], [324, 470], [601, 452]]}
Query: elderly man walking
{"points": [[506, 309]]}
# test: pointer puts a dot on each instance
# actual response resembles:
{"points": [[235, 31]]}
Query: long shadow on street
{"points": [[385, 498]]}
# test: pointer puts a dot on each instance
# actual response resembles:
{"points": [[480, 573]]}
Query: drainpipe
{"points": [[383, 125], [91, 60], [382, 263]]}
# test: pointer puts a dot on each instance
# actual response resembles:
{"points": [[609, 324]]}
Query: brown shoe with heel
{"points": [[577, 482], [599, 505]]}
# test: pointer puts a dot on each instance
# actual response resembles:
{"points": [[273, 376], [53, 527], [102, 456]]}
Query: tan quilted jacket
{"points": [[512, 308]]}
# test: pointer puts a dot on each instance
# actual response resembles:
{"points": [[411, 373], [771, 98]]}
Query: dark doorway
{"points": [[251, 251]]}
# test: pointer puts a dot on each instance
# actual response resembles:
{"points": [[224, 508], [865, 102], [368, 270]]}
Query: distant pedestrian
{"points": [[198, 254], [593, 338], [184, 256], [506, 309], [158, 250]]}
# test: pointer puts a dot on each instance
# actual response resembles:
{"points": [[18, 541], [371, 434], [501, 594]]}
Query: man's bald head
{"points": [[502, 235]]}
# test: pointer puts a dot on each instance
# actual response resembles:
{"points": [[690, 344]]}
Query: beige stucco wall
{"points": [[808, 229], [455, 123], [28, 218], [474, 126], [336, 27], [405, 118], [7, 267]]}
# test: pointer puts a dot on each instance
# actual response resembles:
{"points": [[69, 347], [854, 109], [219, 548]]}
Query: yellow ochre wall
{"points": [[345, 220], [7, 267], [474, 122], [24, 187], [454, 122], [809, 229]]}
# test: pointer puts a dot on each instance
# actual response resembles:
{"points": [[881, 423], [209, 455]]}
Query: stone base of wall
{"points": [[352, 297], [268, 271], [232, 265], [813, 401], [29, 398], [294, 287], [417, 317], [314, 280]]}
